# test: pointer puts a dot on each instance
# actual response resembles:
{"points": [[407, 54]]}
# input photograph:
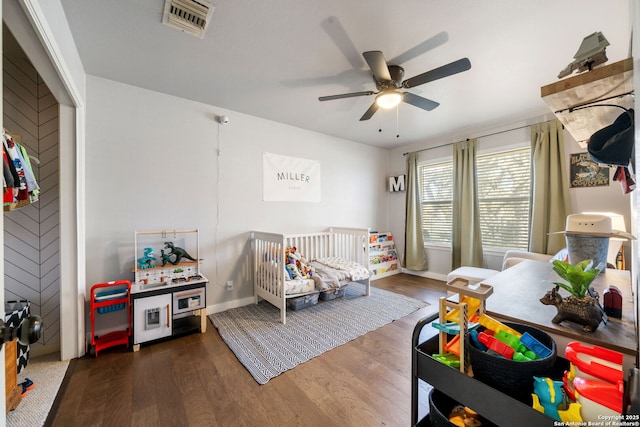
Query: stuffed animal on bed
{"points": [[296, 264], [294, 271], [305, 268]]}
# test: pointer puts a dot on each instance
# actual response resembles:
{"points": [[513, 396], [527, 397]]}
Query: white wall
{"points": [[157, 162], [610, 198]]}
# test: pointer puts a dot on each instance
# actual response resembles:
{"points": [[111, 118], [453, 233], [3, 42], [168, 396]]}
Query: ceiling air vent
{"points": [[190, 16]]}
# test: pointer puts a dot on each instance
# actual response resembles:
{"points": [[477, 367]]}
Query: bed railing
{"points": [[351, 243], [267, 247]]}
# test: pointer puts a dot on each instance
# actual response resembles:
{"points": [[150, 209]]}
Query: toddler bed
{"points": [[337, 256]]}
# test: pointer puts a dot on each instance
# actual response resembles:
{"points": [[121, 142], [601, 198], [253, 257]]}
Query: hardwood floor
{"points": [[197, 381]]}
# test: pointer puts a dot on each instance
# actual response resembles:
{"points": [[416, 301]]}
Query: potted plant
{"points": [[579, 276], [580, 307]]}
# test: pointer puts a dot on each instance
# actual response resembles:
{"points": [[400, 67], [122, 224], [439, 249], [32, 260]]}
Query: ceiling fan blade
{"points": [[346, 95], [378, 65], [339, 36], [454, 67], [370, 112], [418, 101], [431, 43]]}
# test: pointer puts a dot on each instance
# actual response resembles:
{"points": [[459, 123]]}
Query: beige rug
{"points": [[47, 372]]}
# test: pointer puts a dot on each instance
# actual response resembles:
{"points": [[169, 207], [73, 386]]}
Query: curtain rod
{"points": [[477, 137]]}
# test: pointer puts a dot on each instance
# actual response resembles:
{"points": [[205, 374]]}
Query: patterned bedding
{"points": [[353, 270], [332, 273]]}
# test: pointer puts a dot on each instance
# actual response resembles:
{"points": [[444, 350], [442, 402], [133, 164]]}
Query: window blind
{"points": [[436, 185], [503, 180]]}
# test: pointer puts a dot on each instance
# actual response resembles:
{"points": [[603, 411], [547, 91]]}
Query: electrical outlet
{"points": [[229, 285]]}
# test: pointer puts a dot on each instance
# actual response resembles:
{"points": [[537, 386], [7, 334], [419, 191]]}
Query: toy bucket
{"points": [[587, 247]]}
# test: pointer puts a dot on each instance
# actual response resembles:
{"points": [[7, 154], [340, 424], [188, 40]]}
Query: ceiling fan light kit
{"points": [[388, 78], [388, 100]]}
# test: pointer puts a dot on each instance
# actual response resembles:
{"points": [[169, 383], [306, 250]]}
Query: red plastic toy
{"points": [[595, 361], [496, 345]]}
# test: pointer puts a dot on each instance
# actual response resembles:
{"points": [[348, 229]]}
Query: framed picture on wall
{"points": [[584, 172]]}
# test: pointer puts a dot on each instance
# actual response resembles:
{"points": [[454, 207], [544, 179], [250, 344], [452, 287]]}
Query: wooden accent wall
{"points": [[32, 233]]}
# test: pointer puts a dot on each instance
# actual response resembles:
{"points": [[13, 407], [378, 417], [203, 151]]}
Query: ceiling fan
{"points": [[388, 79]]}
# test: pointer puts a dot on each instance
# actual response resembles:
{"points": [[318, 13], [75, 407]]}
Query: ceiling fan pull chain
{"points": [[398, 121]]}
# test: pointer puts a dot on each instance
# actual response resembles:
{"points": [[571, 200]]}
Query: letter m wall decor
{"points": [[290, 179], [396, 183]]}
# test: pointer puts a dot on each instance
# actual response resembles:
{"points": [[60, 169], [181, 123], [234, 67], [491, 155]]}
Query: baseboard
{"points": [[427, 274], [217, 308]]}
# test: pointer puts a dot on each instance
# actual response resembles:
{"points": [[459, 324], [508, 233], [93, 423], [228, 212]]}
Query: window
{"points": [[503, 199], [436, 194]]}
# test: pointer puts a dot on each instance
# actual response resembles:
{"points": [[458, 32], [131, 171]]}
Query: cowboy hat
{"points": [[613, 144], [595, 225]]}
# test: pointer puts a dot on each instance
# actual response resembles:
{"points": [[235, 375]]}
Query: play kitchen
{"points": [[169, 293]]}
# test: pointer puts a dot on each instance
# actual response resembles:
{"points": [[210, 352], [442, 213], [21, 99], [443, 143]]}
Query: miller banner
{"points": [[290, 179]]}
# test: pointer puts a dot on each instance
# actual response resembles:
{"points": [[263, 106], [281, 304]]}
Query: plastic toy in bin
{"points": [[448, 359], [496, 346], [522, 352], [513, 377], [598, 399], [534, 345], [494, 325], [549, 398], [509, 343], [594, 362]]}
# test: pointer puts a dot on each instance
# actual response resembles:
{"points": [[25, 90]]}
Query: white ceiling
{"points": [[274, 58]]}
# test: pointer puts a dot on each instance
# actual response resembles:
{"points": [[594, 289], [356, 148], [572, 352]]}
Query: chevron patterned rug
{"points": [[268, 348]]}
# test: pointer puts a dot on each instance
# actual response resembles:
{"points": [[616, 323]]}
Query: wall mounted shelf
{"points": [[610, 84]]}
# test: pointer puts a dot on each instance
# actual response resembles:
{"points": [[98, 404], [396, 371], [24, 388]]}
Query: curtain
{"points": [[467, 238], [415, 257], [550, 203]]}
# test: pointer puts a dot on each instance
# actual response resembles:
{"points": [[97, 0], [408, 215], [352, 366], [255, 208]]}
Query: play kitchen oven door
{"points": [[152, 318], [189, 300]]}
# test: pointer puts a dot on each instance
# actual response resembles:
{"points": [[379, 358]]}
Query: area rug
{"points": [[47, 373], [268, 348]]}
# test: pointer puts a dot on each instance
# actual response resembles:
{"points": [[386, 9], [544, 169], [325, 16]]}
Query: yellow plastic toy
{"points": [[473, 304], [495, 326]]}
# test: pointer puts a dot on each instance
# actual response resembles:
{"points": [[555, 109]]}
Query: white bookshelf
{"points": [[383, 257]]}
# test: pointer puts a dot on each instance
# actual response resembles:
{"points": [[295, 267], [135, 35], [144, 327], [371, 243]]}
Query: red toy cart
{"points": [[106, 298]]}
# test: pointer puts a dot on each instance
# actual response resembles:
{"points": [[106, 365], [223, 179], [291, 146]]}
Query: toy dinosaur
{"points": [[178, 252], [165, 257], [147, 260]]}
